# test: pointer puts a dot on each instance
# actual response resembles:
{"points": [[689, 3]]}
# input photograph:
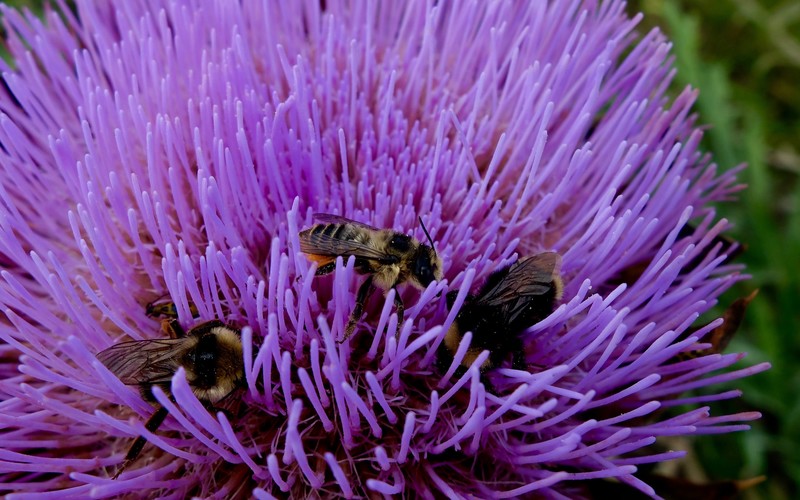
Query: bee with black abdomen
{"points": [[511, 300], [210, 353], [387, 257]]}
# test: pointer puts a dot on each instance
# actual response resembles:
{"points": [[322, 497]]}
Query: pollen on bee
{"points": [[320, 259]]}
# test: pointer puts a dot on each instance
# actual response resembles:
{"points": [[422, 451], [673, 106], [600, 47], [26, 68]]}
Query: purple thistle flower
{"points": [[181, 148]]}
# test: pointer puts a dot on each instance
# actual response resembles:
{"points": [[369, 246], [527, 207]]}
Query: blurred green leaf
{"points": [[744, 57]]}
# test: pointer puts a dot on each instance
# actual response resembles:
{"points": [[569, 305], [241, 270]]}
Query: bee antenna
{"points": [[426, 233]]}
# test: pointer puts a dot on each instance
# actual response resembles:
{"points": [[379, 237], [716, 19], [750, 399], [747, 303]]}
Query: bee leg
{"points": [[358, 310], [398, 304], [325, 269], [214, 410], [172, 328], [443, 358], [518, 361], [487, 385], [136, 448]]}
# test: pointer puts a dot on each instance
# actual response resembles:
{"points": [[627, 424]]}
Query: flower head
{"points": [[180, 148]]}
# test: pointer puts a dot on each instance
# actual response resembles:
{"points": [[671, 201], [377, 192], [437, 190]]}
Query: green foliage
{"points": [[34, 6], [745, 59]]}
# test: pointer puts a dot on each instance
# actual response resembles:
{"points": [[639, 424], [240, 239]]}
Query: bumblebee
{"points": [[511, 300], [387, 257], [167, 309], [210, 353]]}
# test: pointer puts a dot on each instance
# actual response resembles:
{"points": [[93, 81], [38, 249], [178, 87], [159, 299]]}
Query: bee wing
{"points": [[145, 361], [346, 244], [529, 276], [338, 219]]}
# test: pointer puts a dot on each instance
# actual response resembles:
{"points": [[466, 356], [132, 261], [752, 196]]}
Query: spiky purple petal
{"points": [[180, 147]]}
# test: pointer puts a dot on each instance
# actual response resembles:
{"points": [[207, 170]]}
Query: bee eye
{"points": [[424, 271], [400, 242]]}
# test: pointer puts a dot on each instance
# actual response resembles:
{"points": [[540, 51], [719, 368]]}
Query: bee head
{"points": [[426, 266]]}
